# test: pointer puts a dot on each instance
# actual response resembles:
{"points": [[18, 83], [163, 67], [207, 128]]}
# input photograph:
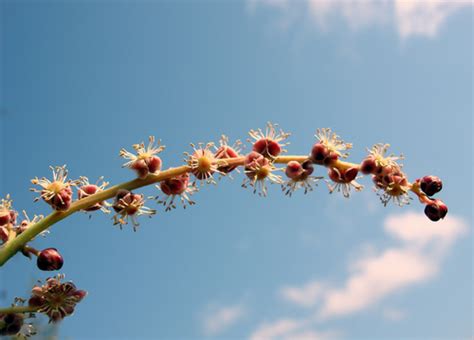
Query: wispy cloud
{"points": [[410, 18], [291, 329], [218, 319], [416, 256]]}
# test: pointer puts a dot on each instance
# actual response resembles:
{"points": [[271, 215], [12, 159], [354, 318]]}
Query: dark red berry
{"points": [[49, 259], [436, 210], [431, 185]]}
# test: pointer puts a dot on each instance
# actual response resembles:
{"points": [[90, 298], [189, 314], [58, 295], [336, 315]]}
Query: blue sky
{"points": [[80, 80]]}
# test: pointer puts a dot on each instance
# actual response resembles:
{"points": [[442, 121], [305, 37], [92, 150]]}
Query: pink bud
{"points": [[319, 152], [368, 165], [154, 164], [293, 169], [225, 152], [175, 186], [267, 147], [140, 167]]}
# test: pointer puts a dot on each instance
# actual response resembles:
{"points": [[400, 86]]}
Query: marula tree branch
{"points": [[57, 299]]}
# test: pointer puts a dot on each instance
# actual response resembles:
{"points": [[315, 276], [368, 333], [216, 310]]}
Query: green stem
{"points": [[18, 309], [12, 246]]}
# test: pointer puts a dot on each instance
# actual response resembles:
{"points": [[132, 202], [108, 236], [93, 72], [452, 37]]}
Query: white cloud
{"points": [[305, 296], [291, 329], [374, 275], [410, 17], [424, 17], [217, 319], [276, 329]]}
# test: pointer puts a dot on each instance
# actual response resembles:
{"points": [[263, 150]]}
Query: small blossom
{"points": [[343, 180], [436, 210], [393, 184], [299, 175], [258, 169], [378, 156], [128, 206], [431, 185], [49, 259], [225, 151], [268, 144], [27, 222], [145, 161], [86, 189], [7, 215], [176, 187], [58, 192], [203, 163], [56, 299], [329, 148]]}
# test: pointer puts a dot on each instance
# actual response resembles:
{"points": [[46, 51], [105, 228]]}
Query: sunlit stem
{"points": [[15, 244]]}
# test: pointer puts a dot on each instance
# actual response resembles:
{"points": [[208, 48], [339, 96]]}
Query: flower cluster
{"points": [[58, 192], [328, 148], [202, 162], [128, 206], [8, 220], [86, 189], [268, 144], [176, 187], [56, 299], [299, 176], [146, 160]]}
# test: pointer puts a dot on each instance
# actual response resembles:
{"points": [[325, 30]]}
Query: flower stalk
{"points": [[15, 244]]}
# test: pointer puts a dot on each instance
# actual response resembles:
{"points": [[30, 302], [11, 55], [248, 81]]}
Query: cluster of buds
{"points": [[128, 206], [435, 209], [58, 192], [299, 176], [86, 189], [8, 218], [56, 299], [146, 160], [387, 175]]}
